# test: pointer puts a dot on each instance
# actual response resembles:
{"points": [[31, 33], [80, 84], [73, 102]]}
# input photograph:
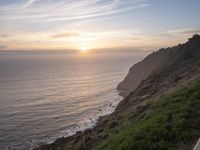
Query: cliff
{"points": [[155, 61], [161, 113]]}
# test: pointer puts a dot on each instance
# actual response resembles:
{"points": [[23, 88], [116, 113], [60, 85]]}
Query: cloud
{"points": [[2, 47], [4, 35], [185, 31], [167, 36], [65, 35], [68, 9], [30, 2]]}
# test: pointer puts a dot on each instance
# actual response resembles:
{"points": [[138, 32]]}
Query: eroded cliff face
{"points": [[155, 61], [142, 70]]}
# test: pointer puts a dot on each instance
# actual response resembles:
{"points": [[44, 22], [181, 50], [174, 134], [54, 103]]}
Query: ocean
{"points": [[46, 95]]}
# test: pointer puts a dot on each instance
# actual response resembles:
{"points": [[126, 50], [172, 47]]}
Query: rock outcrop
{"points": [[155, 61]]}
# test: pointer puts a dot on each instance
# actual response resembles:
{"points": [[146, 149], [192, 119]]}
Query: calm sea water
{"points": [[44, 96]]}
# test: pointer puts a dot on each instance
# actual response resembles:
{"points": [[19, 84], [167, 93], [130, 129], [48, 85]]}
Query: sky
{"points": [[96, 24]]}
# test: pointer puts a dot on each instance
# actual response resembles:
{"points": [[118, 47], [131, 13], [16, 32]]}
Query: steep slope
{"points": [[161, 113], [155, 61], [172, 123]]}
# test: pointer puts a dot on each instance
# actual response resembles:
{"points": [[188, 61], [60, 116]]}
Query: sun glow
{"points": [[84, 49]]}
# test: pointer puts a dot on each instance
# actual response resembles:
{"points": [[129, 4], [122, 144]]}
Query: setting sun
{"points": [[84, 49]]}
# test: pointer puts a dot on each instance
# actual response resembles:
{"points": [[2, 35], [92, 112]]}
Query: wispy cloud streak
{"points": [[185, 31], [30, 2], [67, 9], [65, 35]]}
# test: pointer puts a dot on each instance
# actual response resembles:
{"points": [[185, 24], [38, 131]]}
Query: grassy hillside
{"points": [[171, 124]]}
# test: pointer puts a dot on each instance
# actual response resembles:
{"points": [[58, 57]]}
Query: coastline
{"points": [[107, 109], [88, 124]]}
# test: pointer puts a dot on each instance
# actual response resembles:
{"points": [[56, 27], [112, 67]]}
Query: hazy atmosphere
{"points": [[96, 24], [99, 75]]}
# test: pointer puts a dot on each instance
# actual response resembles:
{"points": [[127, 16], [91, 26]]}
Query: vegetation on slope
{"points": [[172, 124]]}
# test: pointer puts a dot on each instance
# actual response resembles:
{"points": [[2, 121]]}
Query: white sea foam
{"points": [[91, 122]]}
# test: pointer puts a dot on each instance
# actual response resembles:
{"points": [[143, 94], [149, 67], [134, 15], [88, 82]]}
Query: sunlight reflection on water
{"points": [[47, 96]]}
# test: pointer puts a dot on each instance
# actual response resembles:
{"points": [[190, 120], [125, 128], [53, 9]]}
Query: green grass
{"points": [[165, 127]]}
